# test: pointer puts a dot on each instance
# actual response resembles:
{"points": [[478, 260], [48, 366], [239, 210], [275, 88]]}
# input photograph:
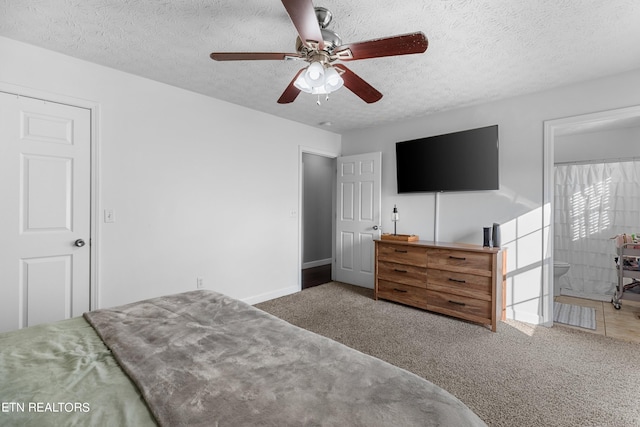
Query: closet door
{"points": [[45, 159]]}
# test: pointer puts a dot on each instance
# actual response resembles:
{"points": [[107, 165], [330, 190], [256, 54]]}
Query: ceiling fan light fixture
{"points": [[314, 75], [332, 79], [301, 83], [329, 80], [320, 90]]}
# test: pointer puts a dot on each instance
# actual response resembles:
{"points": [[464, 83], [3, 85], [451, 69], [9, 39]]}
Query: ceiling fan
{"points": [[321, 47]]}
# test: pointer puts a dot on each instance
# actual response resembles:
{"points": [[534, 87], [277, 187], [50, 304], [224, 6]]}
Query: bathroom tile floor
{"points": [[623, 324]]}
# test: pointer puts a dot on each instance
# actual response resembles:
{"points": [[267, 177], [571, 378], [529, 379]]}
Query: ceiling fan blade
{"points": [[355, 84], [304, 19], [291, 92], [252, 56], [404, 44]]}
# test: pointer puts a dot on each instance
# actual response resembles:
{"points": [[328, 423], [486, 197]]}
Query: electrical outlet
{"points": [[200, 282]]}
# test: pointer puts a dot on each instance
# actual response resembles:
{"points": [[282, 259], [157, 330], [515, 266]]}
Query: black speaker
{"points": [[486, 237], [495, 236]]}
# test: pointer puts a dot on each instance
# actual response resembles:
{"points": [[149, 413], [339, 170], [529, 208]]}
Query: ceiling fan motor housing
{"points": [[330, 38]]}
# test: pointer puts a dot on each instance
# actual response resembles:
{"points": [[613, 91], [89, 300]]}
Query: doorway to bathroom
{"points": [[592, 172]]}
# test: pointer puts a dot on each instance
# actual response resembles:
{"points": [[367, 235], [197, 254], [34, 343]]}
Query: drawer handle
{"points": [[400, 271], [457, 303], [459, 258], [401, 251], [400, 290], [457, 280]]}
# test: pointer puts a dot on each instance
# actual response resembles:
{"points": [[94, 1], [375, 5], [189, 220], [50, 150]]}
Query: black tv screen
{"points": [[459, 161]]}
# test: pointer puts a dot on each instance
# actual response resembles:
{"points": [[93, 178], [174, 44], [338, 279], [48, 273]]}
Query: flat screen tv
{"points": [[459, 161]]}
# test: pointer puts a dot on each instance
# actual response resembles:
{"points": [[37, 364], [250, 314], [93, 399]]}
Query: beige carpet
{"points": [[521, 375]]}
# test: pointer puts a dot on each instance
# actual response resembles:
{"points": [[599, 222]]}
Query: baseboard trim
{"points": [[317, 263], [523, 316], [270, 295]]}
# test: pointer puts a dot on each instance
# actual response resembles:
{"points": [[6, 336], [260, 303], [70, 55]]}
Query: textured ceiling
{"points": [[479, 50]]}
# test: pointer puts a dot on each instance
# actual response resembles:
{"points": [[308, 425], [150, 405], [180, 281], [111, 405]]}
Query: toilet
{"points": [[560, 268]]}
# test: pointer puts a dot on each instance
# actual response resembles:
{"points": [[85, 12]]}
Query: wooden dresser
{"points": [[456, 279]]}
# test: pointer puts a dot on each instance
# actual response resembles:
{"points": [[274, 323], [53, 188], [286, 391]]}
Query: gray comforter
{"points": [[204, 359]]}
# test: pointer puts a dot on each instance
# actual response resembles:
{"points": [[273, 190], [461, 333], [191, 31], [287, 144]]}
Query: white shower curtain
{"points": [[594, 202]]}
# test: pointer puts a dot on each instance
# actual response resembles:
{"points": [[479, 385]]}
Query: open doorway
{"points": [[318, 213], [554, 131]]}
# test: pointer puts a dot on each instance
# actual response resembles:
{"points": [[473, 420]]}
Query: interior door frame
{"points": [[552, 129], [332, 155], [94, 231]]}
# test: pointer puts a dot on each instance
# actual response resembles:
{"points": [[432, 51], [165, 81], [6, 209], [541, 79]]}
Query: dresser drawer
{"points": [[472, 262], [465, 284], [410, 295], [459, 306], [403, 254], [402, 273]]}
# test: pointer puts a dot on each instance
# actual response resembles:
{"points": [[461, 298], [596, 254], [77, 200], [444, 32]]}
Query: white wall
{"points": [[518, 203], [602, 145], [200, 187]]}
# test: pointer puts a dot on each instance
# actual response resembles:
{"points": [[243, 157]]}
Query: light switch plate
{"points": [[109, 215]]}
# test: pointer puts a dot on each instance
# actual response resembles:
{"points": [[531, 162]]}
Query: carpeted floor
{"points": [[521, 375]]}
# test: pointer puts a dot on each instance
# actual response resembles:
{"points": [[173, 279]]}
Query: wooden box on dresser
{"points": [[456, 279]]}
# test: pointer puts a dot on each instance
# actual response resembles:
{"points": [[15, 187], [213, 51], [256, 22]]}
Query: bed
{"points": [[204, 359]]}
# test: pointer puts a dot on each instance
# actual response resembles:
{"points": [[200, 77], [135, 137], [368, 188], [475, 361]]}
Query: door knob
{"points": [[79, 243]]}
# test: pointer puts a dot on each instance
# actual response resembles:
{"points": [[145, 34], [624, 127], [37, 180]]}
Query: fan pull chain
{"points": [[318, 101]]}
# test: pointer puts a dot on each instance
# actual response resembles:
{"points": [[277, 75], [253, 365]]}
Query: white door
{"points": [[358, 207], [45, 165]]}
